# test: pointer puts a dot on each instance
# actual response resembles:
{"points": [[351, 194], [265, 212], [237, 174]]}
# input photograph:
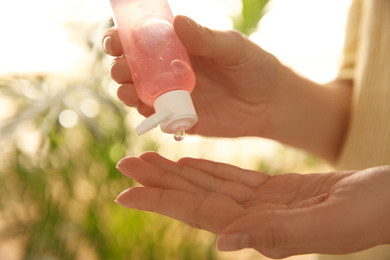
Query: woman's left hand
{"points": [[279, 216]]}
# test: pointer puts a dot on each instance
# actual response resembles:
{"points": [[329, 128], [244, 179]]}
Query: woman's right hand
{"points": [[236, 80]]}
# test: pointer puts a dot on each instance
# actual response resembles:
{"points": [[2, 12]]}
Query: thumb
{"points": [[278, 234], [202, 41]]}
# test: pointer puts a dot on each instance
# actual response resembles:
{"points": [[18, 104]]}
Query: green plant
{"points": [[252, 12], [58, 175]]}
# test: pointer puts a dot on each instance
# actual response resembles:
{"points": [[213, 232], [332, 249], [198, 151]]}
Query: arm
{"points": [[311, 116]]}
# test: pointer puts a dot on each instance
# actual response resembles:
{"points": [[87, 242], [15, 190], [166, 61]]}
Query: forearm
{"points": [[311, 116]]}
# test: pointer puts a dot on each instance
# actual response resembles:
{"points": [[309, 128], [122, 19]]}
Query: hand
{"points": [[242, 90], [279, 216], [235, 79]]}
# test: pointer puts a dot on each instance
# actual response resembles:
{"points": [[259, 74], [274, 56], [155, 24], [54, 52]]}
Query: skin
{"points": [[244, 91], [279, 216]]}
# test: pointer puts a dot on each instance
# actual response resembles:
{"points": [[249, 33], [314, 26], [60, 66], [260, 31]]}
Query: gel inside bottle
{"points": [[162, 72]]}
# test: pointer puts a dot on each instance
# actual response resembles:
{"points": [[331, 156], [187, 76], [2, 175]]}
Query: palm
{"points": [[281, 215], [211, 196]]}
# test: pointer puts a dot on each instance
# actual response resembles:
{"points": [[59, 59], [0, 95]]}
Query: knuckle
{"points": [[275, 237]]}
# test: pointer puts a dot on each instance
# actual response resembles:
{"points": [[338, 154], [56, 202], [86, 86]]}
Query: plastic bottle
{"points": [[160, 66]]}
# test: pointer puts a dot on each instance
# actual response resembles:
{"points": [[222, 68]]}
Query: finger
{"points": [[223, 171], [236, 191], [145, 110], [202, 212], [282, 233], [202, 41], [153, 176], [128, 95], [120, 71], [111, 42], [271, 236]]}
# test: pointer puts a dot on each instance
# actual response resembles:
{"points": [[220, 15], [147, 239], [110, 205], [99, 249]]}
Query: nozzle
{"points": [[174, 110], [152, 121]]}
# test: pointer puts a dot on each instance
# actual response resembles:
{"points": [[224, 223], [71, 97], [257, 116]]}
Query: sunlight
{"points": [[89, 107], [300, 33], [38, 37], [68, 118], [303, 36], [35, 38], [210, 13]]}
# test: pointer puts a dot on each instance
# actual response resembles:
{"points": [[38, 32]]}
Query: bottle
{"points": [[160, 66]]}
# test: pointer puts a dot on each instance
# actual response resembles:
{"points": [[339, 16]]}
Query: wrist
{"points": [[311, 116]]}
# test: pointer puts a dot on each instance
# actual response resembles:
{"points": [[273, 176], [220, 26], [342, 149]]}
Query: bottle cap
{"points": [[173, 110]]}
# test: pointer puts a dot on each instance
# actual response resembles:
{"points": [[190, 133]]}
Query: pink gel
{"points": [[157, 58]]}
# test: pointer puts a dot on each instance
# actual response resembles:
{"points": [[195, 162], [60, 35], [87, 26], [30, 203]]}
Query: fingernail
{"points": [[118, 199], [128, 166], [122, 169], [193, 24], [123, 201], [232, 242], [107, 44]]}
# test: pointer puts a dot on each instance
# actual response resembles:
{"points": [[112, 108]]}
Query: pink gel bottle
{"points": [[159, 63]]}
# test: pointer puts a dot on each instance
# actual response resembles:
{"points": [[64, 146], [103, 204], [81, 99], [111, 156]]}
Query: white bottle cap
{"points": [[174, 110]]}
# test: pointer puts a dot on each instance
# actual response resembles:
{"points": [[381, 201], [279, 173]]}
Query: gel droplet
{"points": [[179, 135]]}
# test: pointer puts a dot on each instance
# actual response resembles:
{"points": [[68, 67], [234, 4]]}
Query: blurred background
{"points": [[62, 129]]}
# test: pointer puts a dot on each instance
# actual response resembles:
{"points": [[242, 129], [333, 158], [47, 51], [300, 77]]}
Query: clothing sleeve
{"points": [[366, 61], [349, 56]]}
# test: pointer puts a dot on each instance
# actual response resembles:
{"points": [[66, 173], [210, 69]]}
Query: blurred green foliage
{"points": [[59, 182], [252, 12]]}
